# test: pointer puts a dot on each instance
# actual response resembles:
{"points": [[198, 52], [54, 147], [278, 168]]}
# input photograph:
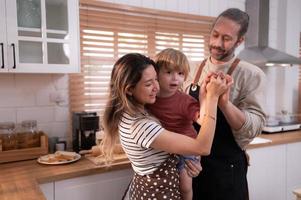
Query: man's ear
{"points": [[240, 40]]}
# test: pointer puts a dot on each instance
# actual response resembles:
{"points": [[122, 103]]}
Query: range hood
{"points": [[257, 50]]}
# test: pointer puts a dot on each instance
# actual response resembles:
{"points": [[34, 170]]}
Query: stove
{"points": [[281, 127]]}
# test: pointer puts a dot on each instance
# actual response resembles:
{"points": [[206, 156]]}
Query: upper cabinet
{"points": [[39, 36]]}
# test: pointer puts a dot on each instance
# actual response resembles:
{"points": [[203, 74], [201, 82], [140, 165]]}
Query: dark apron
{"points": [[224, 174]]}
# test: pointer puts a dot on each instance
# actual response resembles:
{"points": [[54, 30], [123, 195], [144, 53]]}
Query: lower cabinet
{"points": [[105, 186], [48, 190], [266, 173], [293, 169], [274, 172]]}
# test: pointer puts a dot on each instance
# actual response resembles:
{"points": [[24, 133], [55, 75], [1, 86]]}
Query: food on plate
{"points": [[65, 155], [59, 156]]}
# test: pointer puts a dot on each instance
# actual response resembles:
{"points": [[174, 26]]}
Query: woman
{"points": [[149, 147]]}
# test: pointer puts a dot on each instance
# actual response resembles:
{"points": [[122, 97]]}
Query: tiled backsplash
{"points": [[27, 96]]}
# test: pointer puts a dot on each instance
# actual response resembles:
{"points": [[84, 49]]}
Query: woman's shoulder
{"points": [[145, 118]]}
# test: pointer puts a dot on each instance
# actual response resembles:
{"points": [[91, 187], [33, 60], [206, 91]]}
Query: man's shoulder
{"points": [[250, 68]]}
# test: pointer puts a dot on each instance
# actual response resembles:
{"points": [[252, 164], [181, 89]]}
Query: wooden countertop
{"points": [[278, 138], [20, 180]]}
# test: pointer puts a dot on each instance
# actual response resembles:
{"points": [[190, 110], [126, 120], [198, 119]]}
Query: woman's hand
{"points": [[193, 168]]}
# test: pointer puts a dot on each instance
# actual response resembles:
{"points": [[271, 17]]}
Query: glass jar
{"points": [[28, 136], [8, 136]]}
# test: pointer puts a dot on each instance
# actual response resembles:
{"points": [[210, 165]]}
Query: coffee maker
{"points": [[84, 127]]}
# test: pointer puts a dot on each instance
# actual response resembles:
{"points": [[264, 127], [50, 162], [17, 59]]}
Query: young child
{"points": [[176, 110]]}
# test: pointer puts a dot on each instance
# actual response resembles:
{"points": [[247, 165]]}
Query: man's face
{"points": [[224, 40]]}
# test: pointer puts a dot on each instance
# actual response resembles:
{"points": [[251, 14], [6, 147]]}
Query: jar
{"points": [[8, 136], [28, 136]]}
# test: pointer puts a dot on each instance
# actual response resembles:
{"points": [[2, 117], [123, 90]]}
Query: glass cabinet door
{"points": [[41, 34], [29, 21], [57, 31]]}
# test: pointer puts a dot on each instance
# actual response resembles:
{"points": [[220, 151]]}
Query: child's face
{"points": [[170, 81]]}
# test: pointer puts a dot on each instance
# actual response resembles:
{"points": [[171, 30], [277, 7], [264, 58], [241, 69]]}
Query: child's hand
{"points": [[193, 168]]}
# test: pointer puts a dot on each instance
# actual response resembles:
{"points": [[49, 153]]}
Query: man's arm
{"points": [[246, 116], [234, 116]]}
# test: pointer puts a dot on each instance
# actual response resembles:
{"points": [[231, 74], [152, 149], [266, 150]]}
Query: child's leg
{"points": [[185, 185]]}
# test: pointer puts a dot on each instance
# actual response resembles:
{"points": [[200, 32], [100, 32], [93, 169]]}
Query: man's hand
{"points": [[224, 98]]}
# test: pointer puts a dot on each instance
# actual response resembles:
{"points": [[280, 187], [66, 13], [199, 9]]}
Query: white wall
{"points": [[27, 96], [284, 33]]}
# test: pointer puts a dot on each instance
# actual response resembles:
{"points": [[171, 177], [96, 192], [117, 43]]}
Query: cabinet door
{"points": [[3, 58], [106, 186], [293, 168], [41, 34], [267, 173], [48, 190]]}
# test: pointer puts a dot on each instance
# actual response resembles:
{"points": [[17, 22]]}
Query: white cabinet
{"points": [[106, 186], [39, 36], [267, 173], [48, 190], [275, 172], [293, 169]]}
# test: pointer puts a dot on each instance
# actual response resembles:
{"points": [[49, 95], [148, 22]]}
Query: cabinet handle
{"points": [[14, 55], [2, 54]]}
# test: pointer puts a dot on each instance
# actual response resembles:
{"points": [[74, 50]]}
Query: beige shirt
{"points": [[248, 94]]}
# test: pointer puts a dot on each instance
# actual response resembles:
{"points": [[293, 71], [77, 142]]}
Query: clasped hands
{"points": [[218, 84]]}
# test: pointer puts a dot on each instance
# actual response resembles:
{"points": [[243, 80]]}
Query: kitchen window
{"points": [[108, 31]]}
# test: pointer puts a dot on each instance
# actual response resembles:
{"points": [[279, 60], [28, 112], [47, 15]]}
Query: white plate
{"points": [[43, 158]]}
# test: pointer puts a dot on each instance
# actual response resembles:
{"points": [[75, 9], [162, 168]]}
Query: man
{"points": [[240, 117]]}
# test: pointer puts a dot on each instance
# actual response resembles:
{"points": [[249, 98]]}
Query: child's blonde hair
{"points": [[172, 59]]}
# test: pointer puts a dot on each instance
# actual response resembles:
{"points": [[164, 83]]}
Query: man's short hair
{"points": [[238, 16]]}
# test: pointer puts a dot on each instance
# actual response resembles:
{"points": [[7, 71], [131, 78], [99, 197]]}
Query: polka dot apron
{"points": [[161, 184]]}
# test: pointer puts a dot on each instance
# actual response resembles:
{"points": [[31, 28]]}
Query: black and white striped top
{"points": [[136, 136]]}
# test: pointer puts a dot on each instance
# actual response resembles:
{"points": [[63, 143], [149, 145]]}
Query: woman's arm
{"points": [[180, 144]]}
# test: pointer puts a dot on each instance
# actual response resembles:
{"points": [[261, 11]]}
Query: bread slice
{"points": [[65, 155]]}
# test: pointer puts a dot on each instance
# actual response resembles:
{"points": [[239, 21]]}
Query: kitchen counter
{"points": [[20, 180], [278, 138]]}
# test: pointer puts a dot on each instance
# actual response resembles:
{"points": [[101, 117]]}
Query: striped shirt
{"points": [[136, 136]]}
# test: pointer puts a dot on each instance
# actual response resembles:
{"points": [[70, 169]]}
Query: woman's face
{"points": [[147, 88]]}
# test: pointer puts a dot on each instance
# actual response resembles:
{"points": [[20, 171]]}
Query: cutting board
{"points": [[101, 161]]}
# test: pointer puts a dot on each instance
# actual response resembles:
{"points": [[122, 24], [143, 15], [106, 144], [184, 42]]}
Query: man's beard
{"points": [[224, 55]]}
